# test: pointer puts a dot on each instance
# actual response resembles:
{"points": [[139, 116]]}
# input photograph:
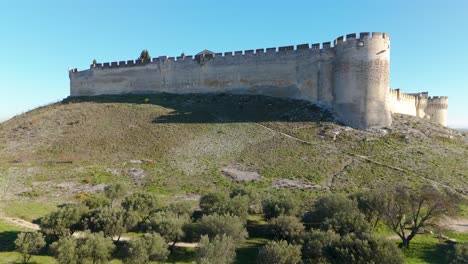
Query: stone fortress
{"points": [[351, 77]]}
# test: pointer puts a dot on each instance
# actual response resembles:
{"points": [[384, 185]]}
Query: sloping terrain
{"points": [[178, 145]]}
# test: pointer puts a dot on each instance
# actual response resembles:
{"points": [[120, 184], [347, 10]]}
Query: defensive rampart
{"points": [[420, 105], [352, 77]]}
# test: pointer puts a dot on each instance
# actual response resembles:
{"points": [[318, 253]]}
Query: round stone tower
{"points": [[437, 109], [361, 79]]}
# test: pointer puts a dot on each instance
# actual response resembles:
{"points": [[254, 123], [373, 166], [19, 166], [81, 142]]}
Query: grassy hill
{"points": [[178, 146]]}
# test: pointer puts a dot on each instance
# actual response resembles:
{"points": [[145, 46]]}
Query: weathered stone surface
{"points": [[352, 77]]}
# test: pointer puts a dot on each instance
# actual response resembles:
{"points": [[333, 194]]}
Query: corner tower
{"points": [[437, 109], [361, 79]]}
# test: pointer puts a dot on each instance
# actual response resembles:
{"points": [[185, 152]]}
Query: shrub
{"points": [[366, 249], [169, 225], [321, 246], [180, 208], [221, 203], [287, 228], [275, 206], [229, 225], [316, 243], [279, 253], [29, 243], [254, 197], [92, 248], [149, 247], [115, 192], [95, 201], [219, 250], [65, 250], [367, 203], [346, 222], [142, 204], [64, 221], [95, 248], [327, 206], [213, 203], [113, 222]]}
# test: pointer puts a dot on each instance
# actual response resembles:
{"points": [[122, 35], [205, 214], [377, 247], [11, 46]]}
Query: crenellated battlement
{"points": [[420, 105], [438, 102], [350, 75], [276, 51]]}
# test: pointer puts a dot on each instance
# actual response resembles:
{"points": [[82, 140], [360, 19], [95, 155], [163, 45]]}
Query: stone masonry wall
{"points": [[420, 105], [352, 77]]}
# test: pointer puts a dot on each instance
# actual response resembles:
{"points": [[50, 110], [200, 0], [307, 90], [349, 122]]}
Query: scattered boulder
{"points": [[69, 187], [142, 161], [136, 174], [241, 176]]}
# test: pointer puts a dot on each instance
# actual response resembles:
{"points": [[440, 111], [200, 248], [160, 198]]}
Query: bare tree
{"points": [[406, 211]]}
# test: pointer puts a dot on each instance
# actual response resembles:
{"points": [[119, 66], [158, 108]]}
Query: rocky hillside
{"points": [[190, 144]]}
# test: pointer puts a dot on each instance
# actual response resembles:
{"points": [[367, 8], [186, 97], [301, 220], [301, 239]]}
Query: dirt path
{"points": [[459, 225], [20, 223], [28, 225]]}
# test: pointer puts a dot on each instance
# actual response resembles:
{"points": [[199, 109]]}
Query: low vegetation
{"points": [[127, 178], [331, 228]]}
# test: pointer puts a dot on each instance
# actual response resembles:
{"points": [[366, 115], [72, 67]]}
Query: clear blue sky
{"points": [[40, 40]]}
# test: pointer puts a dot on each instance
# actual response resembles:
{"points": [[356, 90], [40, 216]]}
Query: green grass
{"points": [[428, 249], [182, 255], [28, 210], [248, 252], [14, 258]]}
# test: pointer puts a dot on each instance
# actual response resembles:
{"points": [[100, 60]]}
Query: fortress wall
{"points": [[352, 76], [293, 72], [402, 103]]}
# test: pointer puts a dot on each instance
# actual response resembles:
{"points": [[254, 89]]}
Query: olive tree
{"points": [[222, 203], [326, 206], [65, 250], [28, 244], [329, 247], [115, 192], [279, 252], [143, 249], [64, 221], [287, 228], [141, 204], [229, 225], [169, 225], [95, 248], [274, 206], [219, 250], [113, 222]]}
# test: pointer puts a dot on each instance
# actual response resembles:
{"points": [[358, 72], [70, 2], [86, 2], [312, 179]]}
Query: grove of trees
{"points": [[331, 228]]}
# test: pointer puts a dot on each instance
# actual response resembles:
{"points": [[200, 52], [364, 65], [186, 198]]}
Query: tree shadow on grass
{"points": [[429, 252], [220, 108], [182, 255], [7, 240]]}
